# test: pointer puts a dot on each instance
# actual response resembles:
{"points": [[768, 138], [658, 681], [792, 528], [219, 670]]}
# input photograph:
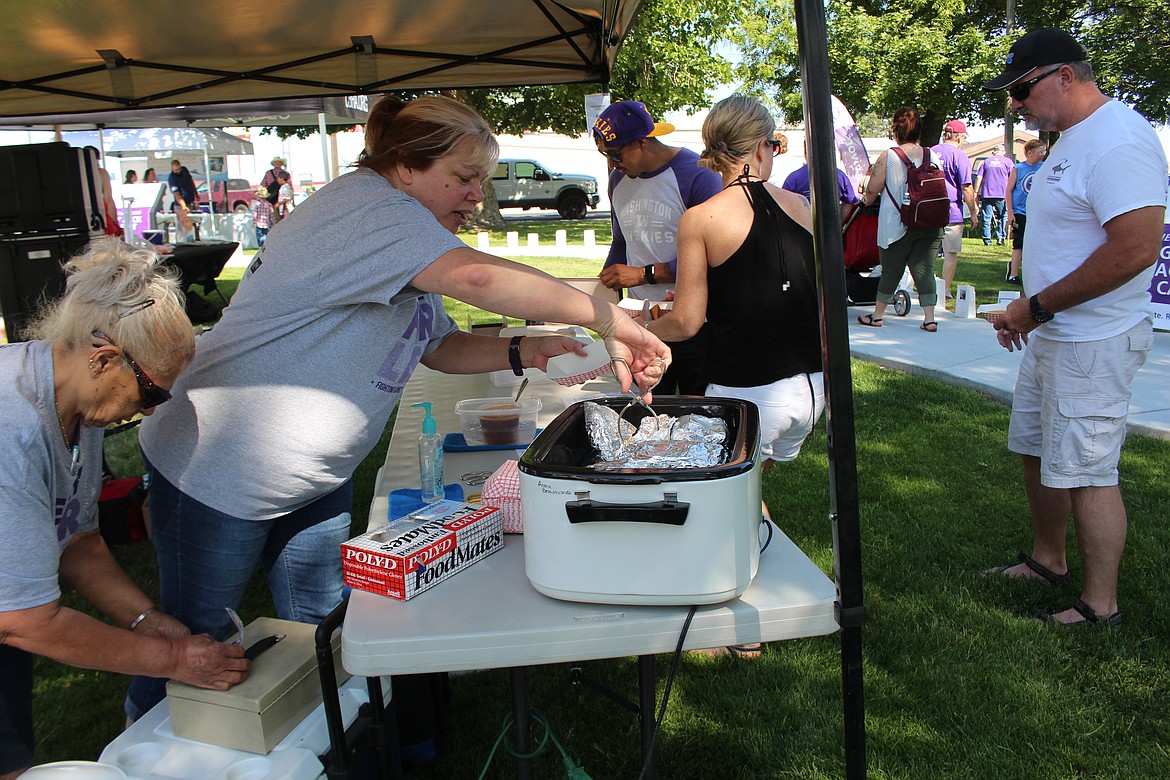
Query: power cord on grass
{"points": [[573, 771]]}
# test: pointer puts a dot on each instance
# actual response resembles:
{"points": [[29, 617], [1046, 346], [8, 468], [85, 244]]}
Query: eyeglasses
{"points": [[615, 156], [777, 146], [152, 394], [1020, 91]]}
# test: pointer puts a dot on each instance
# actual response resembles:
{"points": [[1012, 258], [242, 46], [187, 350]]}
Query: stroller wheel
{"points": [[901, 303]]}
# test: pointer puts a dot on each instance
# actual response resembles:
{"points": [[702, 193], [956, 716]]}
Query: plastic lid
{"points": [[429, 425]]}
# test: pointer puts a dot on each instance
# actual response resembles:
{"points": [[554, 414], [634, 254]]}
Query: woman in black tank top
{"points": [[745, 267]]}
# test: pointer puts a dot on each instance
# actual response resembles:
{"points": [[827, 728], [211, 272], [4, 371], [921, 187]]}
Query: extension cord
{"points": [[574, 772]]}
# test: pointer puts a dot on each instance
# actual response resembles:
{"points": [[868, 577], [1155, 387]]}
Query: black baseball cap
{"points": [[1046, 46]]}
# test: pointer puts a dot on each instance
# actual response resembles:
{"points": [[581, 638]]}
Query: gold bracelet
{"points": [[134, 623]]}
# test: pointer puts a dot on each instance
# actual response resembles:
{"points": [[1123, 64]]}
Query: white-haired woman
{"points": [[251, 464], [745, 266], [105, 352]]}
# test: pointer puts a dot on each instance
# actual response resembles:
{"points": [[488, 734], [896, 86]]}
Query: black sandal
{"points": [[1088, 613], [870, 321], [1039, 568], [929, 327]]}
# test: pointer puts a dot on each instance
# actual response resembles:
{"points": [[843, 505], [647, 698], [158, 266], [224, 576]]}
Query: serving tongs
{"points": [[637, 395]]}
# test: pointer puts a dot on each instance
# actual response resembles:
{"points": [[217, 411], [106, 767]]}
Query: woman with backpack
{"points": [[898, 245]]}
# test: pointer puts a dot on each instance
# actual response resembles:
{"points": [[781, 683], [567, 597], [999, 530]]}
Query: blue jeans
{"points": [[206, 559], [998, 208], [261, 236]]}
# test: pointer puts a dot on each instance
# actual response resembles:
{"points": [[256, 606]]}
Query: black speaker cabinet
{"points": [[31, 273], [49, 188]]}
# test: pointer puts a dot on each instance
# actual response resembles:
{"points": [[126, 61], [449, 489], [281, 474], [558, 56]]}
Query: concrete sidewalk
{"points": [[965, 352]]}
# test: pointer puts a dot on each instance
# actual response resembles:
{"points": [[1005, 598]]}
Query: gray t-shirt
{"points": [[294, 386], [45, 498]]}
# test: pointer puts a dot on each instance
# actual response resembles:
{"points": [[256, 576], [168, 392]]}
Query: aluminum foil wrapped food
{"points": [[659, 442]]}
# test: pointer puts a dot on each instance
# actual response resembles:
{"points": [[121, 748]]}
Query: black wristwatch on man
{"points": [[648, 273], [1039, 313]]}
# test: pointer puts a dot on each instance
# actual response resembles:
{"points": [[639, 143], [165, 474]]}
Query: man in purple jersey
{"points": [[650, 186], [993, 176], [957, 168], [798, 182]]}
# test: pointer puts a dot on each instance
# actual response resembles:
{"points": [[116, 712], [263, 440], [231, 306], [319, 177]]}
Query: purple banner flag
{"points": [[854, 158]]}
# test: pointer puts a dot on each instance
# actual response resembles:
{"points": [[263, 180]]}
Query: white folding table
{"points": [[490, 616]]}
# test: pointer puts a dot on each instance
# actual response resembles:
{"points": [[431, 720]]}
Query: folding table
{"points": [[489, 616]]}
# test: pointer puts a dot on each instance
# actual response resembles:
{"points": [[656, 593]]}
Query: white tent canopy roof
{"points": [[80, 55], [349, 110], [119, 142]]}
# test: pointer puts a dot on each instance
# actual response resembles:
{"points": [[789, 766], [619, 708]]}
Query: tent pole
{"points": [[210, 186], [324, 146], [830, 265]]}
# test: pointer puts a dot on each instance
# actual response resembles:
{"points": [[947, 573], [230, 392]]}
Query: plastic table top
{"points": [[490, 616]]}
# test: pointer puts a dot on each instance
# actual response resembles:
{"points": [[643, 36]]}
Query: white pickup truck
{"points": [[527, 184]]}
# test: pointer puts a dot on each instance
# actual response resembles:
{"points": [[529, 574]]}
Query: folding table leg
{"points": [[646, 702], [523, 741]]}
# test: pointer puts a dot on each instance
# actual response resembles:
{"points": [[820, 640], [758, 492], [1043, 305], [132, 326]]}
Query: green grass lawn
{"points": [[960, 681]]}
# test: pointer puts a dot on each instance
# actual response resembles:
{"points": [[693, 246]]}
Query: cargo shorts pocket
{"points": [[1089, 434]]}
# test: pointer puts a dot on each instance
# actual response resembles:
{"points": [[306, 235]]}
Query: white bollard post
{"points": [[590, 238], [485, 241], [513, 239], [562, 238], [533, 240]]}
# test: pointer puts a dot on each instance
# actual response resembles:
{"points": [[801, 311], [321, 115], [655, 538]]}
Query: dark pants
{"points": [[17, 744], [687, 374]]}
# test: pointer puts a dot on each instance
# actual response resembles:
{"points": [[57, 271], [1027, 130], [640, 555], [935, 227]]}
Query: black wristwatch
{"points": [[1039, 313], [648, 272]]}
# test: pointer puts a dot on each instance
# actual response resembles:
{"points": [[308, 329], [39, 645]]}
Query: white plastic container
{"points": [[498, 421]]}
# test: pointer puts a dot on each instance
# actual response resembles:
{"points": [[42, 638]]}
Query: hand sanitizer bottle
{"points": [[430, 458]]}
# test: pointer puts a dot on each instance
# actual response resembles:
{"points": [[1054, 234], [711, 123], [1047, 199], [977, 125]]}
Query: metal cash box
{"points": [[642, 536], [280, 692]]}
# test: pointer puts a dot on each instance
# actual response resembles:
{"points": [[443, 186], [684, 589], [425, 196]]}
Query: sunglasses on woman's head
{"points": [[1022, 90], [152, 395]]}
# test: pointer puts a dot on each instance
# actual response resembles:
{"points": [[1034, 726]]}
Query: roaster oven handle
{"points": [[665, 512]]}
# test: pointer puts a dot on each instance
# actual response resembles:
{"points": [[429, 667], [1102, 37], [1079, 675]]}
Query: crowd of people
{"points": [[300, 388]]}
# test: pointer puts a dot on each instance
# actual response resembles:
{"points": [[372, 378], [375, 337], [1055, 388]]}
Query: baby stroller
{"points": [[859, 241]]}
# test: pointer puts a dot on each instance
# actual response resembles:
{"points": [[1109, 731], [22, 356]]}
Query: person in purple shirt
{"points": [[797, 182], [957, 168], [993, 176]]}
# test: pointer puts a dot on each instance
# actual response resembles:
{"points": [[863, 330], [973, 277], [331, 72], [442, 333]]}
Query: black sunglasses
{"points": [[615, 156], [777, 146], [152, 394], [1020, 91]]}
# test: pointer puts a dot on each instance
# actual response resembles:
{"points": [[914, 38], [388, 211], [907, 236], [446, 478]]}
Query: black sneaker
{"points": [[1014, 280]]}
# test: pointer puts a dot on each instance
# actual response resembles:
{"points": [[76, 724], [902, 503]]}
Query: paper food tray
{"points": [[572, 369], [574, 331]]}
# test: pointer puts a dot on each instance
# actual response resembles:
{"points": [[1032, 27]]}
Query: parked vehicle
{"points": [[527, 184], [229, 194]]}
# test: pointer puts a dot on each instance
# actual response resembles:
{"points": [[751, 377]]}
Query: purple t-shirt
{"points": [[957, 168], [797, 182], [993, 176]]}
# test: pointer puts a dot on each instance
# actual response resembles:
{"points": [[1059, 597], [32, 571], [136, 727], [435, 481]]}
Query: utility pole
{"points": [[1009, 134]]}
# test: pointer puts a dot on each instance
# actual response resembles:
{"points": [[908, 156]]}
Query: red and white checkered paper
{"points": [[572, 369], [502, 490]]}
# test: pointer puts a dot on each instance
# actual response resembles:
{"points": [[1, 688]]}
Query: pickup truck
{"points": [[527, 184], [239, 194]]}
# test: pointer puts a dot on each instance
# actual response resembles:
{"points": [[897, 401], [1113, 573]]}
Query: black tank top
{"points": [[762, 301]]}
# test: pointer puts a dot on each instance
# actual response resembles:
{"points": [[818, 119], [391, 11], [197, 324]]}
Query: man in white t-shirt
{"points": [[1095, 215]]}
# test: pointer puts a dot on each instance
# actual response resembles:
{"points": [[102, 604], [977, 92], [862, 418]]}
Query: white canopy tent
{"points": [[73, 56]]}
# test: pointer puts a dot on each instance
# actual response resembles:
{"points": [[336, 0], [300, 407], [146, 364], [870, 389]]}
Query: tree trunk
{"points": [[487, 214]]}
